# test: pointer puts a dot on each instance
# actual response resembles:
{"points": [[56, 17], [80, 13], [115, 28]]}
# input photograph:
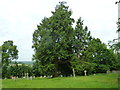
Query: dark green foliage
{"points": [[102, 68], [4, 71], [82, 38], [98, 53], [89, 67], [9, 52], [18, 70], [52, 41], [59, 48], [36, 69], [115, 47]]}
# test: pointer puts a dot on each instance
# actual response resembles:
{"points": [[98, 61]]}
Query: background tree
{"points": [[82, 38], [9, 52], [97, 52], [115, 48], [4, 71]]}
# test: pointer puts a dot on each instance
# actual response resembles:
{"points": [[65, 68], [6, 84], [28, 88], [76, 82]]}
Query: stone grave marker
{"points": [[108, 71], [61, 75], [85, 72], [30, 77], [51, 76]]}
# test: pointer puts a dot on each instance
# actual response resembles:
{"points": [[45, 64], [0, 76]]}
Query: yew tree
{"points": [[52, 41]]}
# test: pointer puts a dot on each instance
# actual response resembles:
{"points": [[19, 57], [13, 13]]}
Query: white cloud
{"points": [[19, 18]]}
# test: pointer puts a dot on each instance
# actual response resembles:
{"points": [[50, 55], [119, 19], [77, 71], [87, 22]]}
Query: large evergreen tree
{"points": [[52, 41], [61, 49]]}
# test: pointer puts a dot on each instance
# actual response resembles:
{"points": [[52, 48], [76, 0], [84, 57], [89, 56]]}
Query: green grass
{"points": [[97, 81]]}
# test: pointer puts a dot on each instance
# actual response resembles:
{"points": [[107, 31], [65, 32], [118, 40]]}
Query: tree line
{"points": [[63, 46]]}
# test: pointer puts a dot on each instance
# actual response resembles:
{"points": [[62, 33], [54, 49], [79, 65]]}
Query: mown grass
{"points": [[97, 81]]}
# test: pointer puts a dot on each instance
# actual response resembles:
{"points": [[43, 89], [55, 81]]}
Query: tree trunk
{"points": [[73, 72]]}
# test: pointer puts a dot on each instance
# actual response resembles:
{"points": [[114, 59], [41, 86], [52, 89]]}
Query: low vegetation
{"points": [[92, 81]]}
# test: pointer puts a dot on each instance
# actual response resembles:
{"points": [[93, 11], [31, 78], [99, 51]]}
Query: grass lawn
{"points": [[97, 81]]}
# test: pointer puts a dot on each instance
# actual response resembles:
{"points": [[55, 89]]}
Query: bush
{"points": [[102, 68], [89, 67]]}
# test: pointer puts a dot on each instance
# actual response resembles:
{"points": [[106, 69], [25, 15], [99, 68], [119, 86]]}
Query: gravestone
{"points": [[51, 76], [108, 71], [30, 77], [115, 71], [48, 77], [44, 76], [61, 75], [25, 75], [85, 72], [14, 78]]}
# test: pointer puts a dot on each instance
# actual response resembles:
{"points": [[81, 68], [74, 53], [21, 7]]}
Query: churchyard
{"points": [[92, 81], [66, 55]]}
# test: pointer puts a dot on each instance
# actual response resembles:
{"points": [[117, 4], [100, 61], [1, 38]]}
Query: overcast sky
{"points": [[19, 19]]}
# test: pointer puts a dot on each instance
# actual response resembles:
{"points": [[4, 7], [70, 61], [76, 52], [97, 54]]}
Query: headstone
{"points": [[5, 78], [108, 71], [17, 77], [33, 76], [25, 75], [30, 77], [94, 74], [14, 78], [51, 76], [115, 71], [48, 77], [61, 75], [44, 76], [85, 72], [71, 75]]}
